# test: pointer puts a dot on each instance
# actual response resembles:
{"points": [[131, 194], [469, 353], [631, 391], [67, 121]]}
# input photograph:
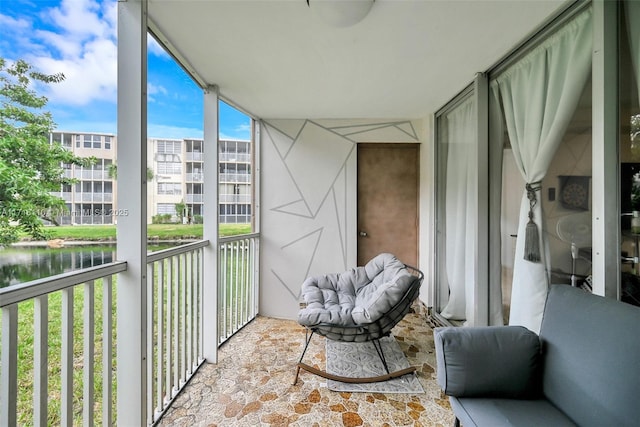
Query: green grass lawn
{"points": [[154, 231]]}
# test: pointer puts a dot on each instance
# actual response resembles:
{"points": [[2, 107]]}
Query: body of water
{"points": [[24, 264]]}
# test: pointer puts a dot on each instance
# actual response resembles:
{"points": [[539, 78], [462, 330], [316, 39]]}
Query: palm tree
{"points": [[112, 170]]}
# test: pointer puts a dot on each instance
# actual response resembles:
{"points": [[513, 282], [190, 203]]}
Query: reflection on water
{"points": [[23, 264]]}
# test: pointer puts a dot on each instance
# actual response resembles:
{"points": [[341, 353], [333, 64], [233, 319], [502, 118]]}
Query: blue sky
{"points": [[79, 39]]}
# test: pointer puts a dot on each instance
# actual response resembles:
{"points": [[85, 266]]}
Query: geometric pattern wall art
{"points": [[308, 195]]}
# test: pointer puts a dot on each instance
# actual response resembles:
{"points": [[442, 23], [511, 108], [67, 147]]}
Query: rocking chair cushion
{"points": [[356, 297], [374, 302]]}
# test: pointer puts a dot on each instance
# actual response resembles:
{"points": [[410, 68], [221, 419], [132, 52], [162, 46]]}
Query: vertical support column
{"points": [[256, 173], [481, 297], [132, 228], [606, 216], [427, 210], [210, 227]]}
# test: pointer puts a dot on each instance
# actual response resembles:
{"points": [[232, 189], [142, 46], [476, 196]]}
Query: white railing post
{"points": [[210, 227], [107, 345], [88, 350], [66, 407], [9, 385], [131, 293], [40, 359]]}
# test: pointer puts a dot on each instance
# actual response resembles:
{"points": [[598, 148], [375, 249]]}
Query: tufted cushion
{"points": [[357, 296], [374, 301]]}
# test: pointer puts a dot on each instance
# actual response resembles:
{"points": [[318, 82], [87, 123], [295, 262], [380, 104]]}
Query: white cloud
{"points": [[243, 127], [81, 18], [9, 23], [91, 76], [153, 89], [154, 47], [80, 42]]}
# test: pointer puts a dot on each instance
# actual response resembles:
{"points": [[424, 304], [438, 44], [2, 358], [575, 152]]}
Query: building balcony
{"points": [[252, 381], [194, 177], [96, 175], [235, 198], [234, 158], [235, 178], [192, 156], [193, 198]]}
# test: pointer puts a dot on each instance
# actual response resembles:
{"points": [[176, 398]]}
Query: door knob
{"points": [[363, 234]]}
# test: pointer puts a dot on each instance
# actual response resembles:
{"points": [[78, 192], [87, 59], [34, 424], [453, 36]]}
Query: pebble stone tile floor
{"points": [[252, 384]]}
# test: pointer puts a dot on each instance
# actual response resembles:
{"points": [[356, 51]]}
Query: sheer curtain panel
{"points": [[461, 211], [539, 95]]}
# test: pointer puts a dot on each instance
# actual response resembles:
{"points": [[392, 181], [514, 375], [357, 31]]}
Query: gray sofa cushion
{"points": [[356, 297], [488, 361], [591, 353], [508, 413]]}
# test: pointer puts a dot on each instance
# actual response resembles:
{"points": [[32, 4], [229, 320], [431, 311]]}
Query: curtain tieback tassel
{"points": [[532, 236]]}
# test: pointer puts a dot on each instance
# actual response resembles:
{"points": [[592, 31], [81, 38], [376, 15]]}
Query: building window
{"points": [[91, 141], [166, 208], [174, 188], [169, 168], [107, 143], [169, 147], [174, 158]]}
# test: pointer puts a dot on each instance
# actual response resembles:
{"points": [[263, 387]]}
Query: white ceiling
{"points": [[277, 59]]}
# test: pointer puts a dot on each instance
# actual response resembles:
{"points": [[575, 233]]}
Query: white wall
{"points": [[308, 193]]}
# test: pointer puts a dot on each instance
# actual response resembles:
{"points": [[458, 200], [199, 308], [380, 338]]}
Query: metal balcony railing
{"points": [[235, 198], [74, 315], [174, 323], [237, 283], [194, 198], [235, 157], [194, 177], [235, 177], [39, 319]]}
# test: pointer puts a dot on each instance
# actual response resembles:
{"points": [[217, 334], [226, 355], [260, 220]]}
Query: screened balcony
{"points": [[317, 92]]}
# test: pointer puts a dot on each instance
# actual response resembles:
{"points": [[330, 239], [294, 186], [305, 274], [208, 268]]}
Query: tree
{"points": [[30, 167], [112, 170], [180, 210]]}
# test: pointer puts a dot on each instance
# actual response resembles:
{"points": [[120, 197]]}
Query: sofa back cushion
{"points": [[591, 349], [488, 361]]}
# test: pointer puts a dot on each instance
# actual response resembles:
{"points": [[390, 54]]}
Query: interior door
{"points": [[388, 201]]}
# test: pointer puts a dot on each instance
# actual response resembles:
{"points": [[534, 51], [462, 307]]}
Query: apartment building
{"points": [[176, 171], [91, 200]]}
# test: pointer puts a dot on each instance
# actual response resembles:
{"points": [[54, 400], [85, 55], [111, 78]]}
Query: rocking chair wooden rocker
{"points": [[359, 305]]}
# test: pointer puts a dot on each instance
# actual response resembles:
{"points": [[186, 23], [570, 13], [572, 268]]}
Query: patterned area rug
{"points": [[361, 360]]}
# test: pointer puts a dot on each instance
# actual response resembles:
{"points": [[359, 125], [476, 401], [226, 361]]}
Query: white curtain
{"points": [[461, 211], [539, 95], [632, 9]]}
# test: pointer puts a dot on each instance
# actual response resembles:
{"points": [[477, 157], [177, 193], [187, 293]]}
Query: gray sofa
{"points": [[583, 369]]}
